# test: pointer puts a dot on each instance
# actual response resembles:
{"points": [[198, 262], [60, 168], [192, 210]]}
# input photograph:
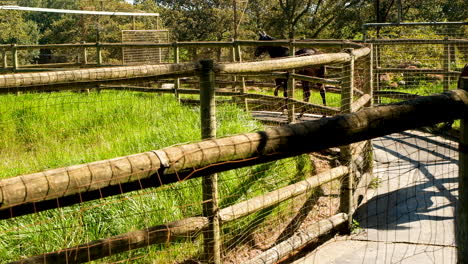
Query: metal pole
{"points": [[461, 232], [212, 237]]}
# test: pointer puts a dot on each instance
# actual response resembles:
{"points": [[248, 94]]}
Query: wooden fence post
{"points": [[212, 243], [446, 59], [238, 57], [291, 87], [84, 54], [14, 57], [4, 59], [98, 54], [461, 229], [233, 53], [177, 80], [347, 183]]}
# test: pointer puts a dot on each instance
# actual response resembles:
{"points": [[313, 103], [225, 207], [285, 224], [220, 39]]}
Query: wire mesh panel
{"points": [[148, 207], [417, 59], [409, 213], [135, 55]]}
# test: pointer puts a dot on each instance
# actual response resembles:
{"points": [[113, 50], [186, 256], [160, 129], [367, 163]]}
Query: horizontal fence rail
{"points": [[291, 63], [22, 81], [181, 44]]}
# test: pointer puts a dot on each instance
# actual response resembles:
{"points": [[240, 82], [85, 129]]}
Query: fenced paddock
{"points": [[412, 59], [270, 197]]}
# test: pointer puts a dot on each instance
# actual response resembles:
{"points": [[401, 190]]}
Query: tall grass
{"points": [[42, 131]]}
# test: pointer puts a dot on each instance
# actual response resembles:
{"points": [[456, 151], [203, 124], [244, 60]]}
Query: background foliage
{"points": [[216, 19]]}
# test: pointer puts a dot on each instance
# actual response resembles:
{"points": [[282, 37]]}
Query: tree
{"points": [[292, 12], [17, 30], [198, 19]]}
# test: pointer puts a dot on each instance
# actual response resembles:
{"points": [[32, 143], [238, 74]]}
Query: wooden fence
{"points": [[10, 57], [65, 186], [185, 161], [448, 69]]}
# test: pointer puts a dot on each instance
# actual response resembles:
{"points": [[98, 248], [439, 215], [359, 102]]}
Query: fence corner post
{"points": [[461, 223], [347, 91], [14, 57], [211, 237]]}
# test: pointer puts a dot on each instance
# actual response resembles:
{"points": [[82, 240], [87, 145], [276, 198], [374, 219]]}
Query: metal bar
{"points": [[81, 12], [426, 71], [417, 41], [414, 24]]}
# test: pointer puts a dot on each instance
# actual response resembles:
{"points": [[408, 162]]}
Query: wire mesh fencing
{"points": [[414, 60], [119, 218], [409, 213], [151, 206]]}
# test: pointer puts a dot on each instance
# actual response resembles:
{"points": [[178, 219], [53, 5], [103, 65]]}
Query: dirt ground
{"points": [[302, 211]]}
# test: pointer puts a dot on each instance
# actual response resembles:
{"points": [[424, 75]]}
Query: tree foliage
{"points": [[216, 19]]}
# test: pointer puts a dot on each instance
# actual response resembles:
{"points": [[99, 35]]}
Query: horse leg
{"points": [[278, 84], [305, 91], [323, 93], [284, 84]]}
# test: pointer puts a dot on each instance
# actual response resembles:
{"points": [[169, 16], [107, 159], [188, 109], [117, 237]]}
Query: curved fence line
{"points": [[291, 63], [132, 72]]}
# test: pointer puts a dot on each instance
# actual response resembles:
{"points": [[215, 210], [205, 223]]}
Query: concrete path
{"points": [[409, 218]]}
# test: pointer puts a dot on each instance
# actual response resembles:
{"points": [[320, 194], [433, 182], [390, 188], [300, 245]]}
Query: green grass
{"points": [[333, 99], [422, 89], [43, 131]]}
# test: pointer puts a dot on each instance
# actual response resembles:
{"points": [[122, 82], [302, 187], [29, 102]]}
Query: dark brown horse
{"points": [[277, 52]]}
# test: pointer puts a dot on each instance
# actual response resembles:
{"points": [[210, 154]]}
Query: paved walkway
{"points": [[409, 218]]}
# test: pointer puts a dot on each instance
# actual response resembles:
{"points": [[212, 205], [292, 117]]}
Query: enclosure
{"points": [[247, 196]]}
